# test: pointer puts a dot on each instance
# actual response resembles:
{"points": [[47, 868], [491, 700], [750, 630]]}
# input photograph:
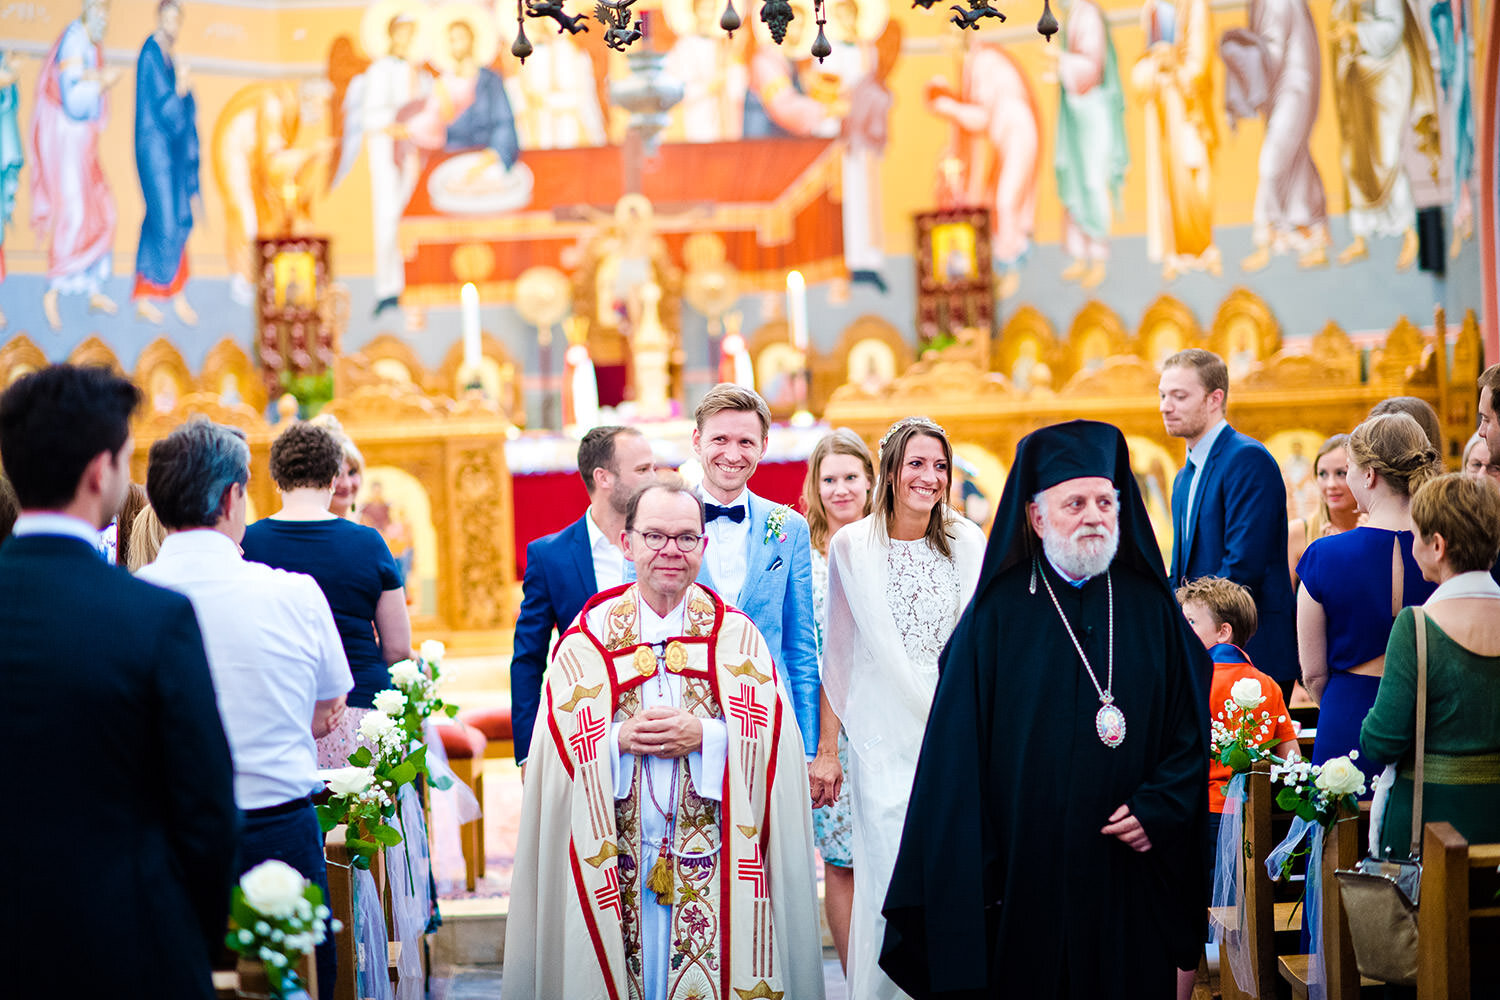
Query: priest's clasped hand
{"points": [[1128, 829], [661, 731]]}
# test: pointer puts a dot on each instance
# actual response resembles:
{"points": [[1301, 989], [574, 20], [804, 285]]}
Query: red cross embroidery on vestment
{"points": [[608, 895], [753, 870], [585, 738], [749, 713]]}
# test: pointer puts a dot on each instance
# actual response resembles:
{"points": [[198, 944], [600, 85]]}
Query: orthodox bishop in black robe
{"points": [[1007, 883]]}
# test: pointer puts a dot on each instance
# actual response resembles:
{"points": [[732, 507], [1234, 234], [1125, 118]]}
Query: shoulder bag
{"points": [[1381, 895]]}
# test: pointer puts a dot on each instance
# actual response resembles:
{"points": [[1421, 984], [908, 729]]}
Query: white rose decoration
{"points": [[391, 703], [433, 651], [273, 888], [376, 725], [1246, 693], [1339, 776], [350, 780], [405, 673]]}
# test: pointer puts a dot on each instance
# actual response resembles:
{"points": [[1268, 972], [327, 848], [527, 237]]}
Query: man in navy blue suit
{"points": [[1229, 506], [565, 569], [107, 677]]}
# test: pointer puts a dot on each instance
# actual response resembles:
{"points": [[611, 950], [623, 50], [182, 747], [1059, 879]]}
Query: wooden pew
{"points": [[248, 979], [1458, 898], [1342, 848], [1266, 916], [341, 902]]}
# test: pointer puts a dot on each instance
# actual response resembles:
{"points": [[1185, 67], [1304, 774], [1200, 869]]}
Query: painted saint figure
{"points": [[866, 130], [995, 145], [1175, 78], [1091, 151], [1383, 86], [390, 84], [1274, 68], [166, 160], [1455, 44], [12, 156], [467, 109], [72, 209]]}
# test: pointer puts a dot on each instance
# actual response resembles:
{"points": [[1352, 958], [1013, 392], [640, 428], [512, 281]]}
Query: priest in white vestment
{"points": [[694, 877]]}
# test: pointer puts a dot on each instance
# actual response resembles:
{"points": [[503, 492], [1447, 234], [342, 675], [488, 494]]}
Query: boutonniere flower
{"points": [[775, 521]]}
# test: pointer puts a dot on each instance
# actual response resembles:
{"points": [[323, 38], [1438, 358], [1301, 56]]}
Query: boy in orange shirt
{"points": [[1221, 614]]}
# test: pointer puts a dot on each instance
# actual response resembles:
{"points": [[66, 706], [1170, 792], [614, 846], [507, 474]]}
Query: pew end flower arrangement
{"points": [[1240, 737], [365, 793], [277, 917]]}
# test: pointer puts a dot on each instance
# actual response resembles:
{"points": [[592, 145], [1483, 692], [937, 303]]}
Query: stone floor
{"points": [[482, 982]]}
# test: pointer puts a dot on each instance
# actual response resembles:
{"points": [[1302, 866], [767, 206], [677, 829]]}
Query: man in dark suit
{"points": [[120, 852], [564, 570], [1229, 506]]}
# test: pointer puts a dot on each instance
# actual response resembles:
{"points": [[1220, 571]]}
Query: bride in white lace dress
{"points": [[897, 582]]}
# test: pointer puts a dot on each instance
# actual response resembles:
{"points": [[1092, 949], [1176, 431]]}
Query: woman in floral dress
{"points": [[836, 493]]}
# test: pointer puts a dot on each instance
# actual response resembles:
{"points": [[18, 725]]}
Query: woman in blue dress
{"points": [[1355, 583]]}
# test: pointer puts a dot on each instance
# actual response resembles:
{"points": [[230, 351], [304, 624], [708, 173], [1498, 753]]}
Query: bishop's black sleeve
{"points": [[1172, 803], [938, 936]]}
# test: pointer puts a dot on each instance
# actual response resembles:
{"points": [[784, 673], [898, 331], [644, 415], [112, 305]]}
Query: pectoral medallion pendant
{"points": [[1109, 723]]}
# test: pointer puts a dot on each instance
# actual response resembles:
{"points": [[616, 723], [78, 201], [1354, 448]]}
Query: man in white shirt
{"points": [[759, 556], [279, 670], [694, 876], [565, 569]]}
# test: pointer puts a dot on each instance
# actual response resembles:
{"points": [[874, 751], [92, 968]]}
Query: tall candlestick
{"points": [[796, 309], [469, 297]]}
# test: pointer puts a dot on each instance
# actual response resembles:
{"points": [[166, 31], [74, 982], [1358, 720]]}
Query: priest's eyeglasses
{"points": [[656, 541]]}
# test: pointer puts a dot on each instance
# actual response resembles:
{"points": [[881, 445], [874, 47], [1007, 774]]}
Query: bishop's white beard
{"points": [[1086, 553]]}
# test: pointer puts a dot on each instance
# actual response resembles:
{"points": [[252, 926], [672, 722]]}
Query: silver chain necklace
{"points": [[1109, 722]]}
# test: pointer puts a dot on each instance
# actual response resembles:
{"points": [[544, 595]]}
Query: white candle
{"points": [[796, 309], [469, 297]]}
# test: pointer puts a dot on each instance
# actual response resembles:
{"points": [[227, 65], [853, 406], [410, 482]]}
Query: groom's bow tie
{"points": [[713, 511]]}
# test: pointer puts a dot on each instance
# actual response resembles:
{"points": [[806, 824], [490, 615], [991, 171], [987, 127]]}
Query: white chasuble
{"points": [[742, 919]]}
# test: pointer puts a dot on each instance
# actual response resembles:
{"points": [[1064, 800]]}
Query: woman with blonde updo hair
{"points": [[1355, 583], [897, 582], [1336, 508]]}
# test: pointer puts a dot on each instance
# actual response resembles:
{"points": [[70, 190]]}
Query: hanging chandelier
{"points": [[622, 29]]}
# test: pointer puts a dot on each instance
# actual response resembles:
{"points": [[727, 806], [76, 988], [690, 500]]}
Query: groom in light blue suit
{"points": [[759, 558]]}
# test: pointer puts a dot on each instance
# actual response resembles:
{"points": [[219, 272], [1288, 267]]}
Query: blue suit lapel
{"points": [[1205, 479], [755, 552], [583, 557]]}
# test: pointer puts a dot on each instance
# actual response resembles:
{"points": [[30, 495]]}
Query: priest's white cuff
{"points": [[705, 765]]}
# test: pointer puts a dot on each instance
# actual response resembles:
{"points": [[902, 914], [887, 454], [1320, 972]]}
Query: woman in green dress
{"points": [[1457, 539]]}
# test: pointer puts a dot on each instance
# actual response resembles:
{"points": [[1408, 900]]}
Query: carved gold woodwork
{"points": [[94, 351], [18, 357], [1332, 346], [1318, 392], [163, 375], [1244, 332], [507, 398], [1400, 360], [458, 460], [227, 365], [373, 364], [1096, 334], [1028, 352], [1168, 326]]}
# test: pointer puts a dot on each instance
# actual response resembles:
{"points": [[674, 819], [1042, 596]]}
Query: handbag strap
{"points": [[1420, 618]]}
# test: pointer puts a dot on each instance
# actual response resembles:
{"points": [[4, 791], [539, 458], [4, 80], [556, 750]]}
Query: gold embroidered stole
{"points": [[721, 941]]}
